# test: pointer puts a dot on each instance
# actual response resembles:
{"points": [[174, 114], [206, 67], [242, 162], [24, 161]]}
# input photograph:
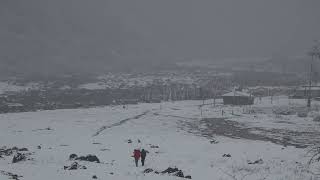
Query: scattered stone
{"points": [[214, 142], [94, 177], [149, 170], [129, 141], [259, 161], [139, 141], [105, 149], [96, 143], [90, 158], [11, 175], [39, 147], [74, 166], [23, 149], [111, 173], [170, 170], [18, 157], [73, 157], [6, 152], [226, 155], [179, 174], [153, 146]]}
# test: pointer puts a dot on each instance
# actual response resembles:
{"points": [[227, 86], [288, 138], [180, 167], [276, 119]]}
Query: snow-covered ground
{"points": [[105, 132]]}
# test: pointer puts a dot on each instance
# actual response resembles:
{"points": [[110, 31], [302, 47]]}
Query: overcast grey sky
{"points": [[225, 28], [98, 31]]}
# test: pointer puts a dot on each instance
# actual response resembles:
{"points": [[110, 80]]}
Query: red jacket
{"points": [[137, 154]]}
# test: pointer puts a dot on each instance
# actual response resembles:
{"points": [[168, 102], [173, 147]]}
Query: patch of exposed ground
{"points": [[210, 127]]}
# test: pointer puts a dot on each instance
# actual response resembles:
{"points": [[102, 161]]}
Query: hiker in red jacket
{"points": [[136, 155]]}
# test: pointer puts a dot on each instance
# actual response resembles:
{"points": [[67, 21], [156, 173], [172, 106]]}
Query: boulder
{"points": [[170, 170], [18, 157], [226, 155], [259, 161], [23, 149], [179, 174], [90, 158], [73, 156], [94, 177], [188, 177], [154, 146], [74, 166], [149, 170]]}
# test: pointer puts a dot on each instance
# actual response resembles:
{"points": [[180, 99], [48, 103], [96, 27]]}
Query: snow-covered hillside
{"points": [[170, 131], [6, 87]]}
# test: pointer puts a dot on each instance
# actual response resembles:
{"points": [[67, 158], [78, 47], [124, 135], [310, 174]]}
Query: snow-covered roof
{"points": [[236, 93]]}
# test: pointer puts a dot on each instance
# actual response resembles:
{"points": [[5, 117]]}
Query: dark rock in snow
{"points": [[23, 149], [153, 146], [6, 152], [18, 157], [111, 173], [149, 170], [74, 166], [39, 147], [11, 175], [179, 174], [73, 156], [90, 158], [226, 155], [94, 177], [214, 142], [259, 161], [129, 141], [170, 170]]}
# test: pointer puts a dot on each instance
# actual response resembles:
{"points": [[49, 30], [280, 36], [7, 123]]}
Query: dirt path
{"points": [[119, 123], [210, 127]]}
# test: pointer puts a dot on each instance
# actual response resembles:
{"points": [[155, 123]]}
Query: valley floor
{"points": [[249, 142]]}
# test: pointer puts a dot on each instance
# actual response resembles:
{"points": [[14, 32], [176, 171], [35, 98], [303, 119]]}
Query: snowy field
{"points": [[176, 134]]}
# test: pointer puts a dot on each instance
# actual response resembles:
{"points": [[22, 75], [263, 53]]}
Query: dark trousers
{"points": [[142, 161], [136, 161]]}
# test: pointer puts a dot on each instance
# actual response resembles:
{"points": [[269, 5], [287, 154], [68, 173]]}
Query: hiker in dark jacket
{"points": [[143, 156]]}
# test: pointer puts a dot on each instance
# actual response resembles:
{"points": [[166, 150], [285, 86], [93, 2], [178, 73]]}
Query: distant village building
{"points": [[237, 98], [303, 92]]}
